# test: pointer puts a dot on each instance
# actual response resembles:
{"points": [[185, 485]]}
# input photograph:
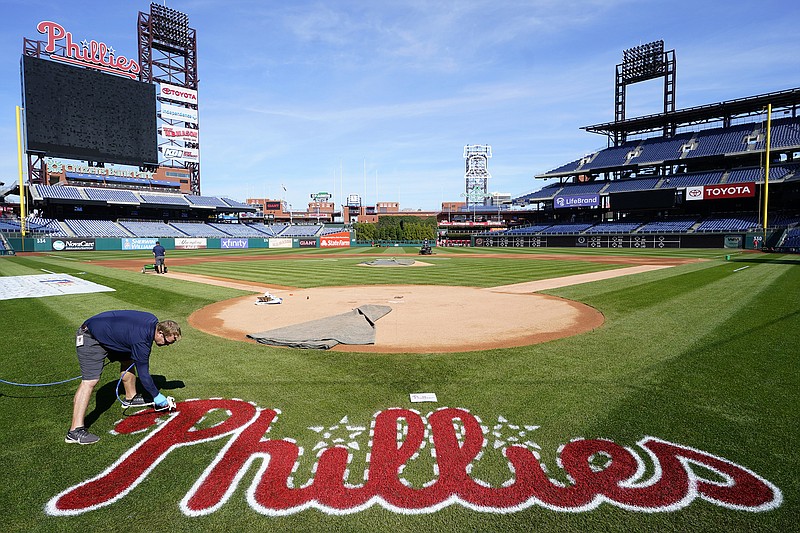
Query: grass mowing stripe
{"points": [[735, 395], [457, 271]]}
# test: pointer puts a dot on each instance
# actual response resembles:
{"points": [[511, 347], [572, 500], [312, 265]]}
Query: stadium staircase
{"points": [[777, 239], [66, 229], [5, 247]]}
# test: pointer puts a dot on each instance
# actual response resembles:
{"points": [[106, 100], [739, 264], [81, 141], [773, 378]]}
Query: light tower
{"points": [[477, 175], [168, 55]]}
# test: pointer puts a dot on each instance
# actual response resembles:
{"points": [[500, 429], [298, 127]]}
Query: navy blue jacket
{"points": [[128, 332]]}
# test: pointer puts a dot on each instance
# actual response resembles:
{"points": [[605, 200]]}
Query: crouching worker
{"points": [[126, 337]]}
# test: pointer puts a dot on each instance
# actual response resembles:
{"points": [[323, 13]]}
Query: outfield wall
{"points": [[749, 241], [76, 244]]}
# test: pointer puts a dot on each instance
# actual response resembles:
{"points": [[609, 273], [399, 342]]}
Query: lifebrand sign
{"points": [[577, 200], [652, 476]]}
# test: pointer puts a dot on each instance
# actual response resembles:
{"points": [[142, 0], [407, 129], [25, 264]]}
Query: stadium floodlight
{"points": [[169, 26], [643, 62]]}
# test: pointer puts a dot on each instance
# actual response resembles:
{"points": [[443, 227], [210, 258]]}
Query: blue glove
{"points": [[160, 400]]}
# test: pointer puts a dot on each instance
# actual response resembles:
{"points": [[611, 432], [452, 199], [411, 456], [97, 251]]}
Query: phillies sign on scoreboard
{"points": [[177, 94], [720, 191], [92, 54]]}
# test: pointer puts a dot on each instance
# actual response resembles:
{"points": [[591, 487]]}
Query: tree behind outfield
{"points": [[397, 228]]}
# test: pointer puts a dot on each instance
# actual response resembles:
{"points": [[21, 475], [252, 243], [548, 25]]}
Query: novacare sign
{"points": [[580, 200], [720, 191]]}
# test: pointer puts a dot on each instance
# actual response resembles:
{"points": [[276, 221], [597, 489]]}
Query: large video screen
{"points": [[654, 199], [77, 113]]}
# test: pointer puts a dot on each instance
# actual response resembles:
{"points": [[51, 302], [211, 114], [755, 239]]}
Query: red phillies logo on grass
{"points": [[599, 471]]}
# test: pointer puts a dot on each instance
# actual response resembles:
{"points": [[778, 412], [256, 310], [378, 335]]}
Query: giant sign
{"points": [[720, 191], [653, 476]]}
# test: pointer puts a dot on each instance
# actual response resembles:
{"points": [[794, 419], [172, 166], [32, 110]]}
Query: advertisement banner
{"points": [[177, 94], [578, 200], [72, 245], [733, 241], [138, 244], [280, 243], [694, 193], [175, 112], [173, 133], [308, 243], [721, 191], [179, 153], [234, 243], [189, 243], [335, 240], [272, 206]]}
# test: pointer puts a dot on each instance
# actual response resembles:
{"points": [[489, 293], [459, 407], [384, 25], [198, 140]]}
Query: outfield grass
{"points": [[702, 355]]}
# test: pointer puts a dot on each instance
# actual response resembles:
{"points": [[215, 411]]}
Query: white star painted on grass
{"points": [[341, 434], [507, 434]]}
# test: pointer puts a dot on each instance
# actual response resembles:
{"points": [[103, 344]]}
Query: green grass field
{"points": [[703, 356]]}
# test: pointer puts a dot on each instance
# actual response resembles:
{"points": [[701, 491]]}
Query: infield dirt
{"points": [[424, 318]]}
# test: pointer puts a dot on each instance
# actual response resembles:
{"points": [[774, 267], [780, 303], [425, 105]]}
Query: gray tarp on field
{"points": [[354, 327]]}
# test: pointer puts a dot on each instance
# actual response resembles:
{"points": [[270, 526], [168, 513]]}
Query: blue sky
{"points": [[379, 98]]}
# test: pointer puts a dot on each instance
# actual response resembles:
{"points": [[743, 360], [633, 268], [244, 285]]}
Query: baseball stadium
{"points": [[610, 352]]}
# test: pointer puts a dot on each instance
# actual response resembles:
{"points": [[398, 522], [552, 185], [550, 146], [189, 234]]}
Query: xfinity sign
{"points": [[580, 200]]}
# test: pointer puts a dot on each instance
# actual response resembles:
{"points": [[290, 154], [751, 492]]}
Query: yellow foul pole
{"points": [[21, 184], [766, 168]]}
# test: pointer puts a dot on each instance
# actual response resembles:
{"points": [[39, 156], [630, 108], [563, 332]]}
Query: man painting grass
{"points": [[126, 337]]}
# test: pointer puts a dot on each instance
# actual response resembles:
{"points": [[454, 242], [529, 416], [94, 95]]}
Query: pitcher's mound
{"points": [[424, 318]]}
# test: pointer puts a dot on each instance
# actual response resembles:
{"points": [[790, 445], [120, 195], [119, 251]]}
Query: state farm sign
{"points": [[720, 191], [335, 240]]}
